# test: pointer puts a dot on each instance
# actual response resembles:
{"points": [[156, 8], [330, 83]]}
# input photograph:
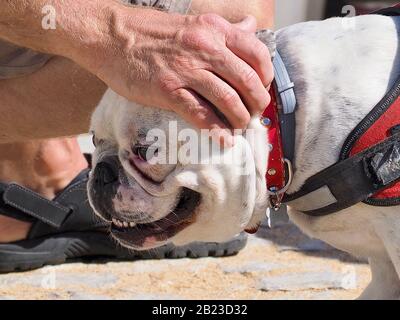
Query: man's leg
{"points": [[47, 166], [55, 101]]}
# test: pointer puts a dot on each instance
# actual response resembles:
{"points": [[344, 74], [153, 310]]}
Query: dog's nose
{"points": [[105, 173], [104, 187]]}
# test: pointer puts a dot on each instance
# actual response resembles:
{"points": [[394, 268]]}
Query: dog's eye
{"points": [[145, 153], [94, 141]]}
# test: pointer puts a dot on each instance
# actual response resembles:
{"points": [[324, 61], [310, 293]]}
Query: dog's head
{"points": [[157, 180]]}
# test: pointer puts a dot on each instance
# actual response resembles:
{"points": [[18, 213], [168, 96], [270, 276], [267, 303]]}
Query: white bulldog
{"points": [[351, 60]]}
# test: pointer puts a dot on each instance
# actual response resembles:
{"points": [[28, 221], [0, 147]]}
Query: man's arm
{"points": [[21, 23], [184, 63]]}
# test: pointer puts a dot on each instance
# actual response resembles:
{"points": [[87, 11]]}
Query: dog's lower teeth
{"points": [[123, 224]]}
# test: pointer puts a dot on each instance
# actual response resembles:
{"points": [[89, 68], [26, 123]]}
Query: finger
{"points": [[245, 80], [248, 24], [255, 53], [223, 97], [198, 112]]}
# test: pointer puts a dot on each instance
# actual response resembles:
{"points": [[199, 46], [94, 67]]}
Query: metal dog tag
{"points": [[276, 218]]}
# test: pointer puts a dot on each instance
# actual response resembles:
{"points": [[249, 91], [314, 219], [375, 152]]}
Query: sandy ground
{"points": [[276, 264]]}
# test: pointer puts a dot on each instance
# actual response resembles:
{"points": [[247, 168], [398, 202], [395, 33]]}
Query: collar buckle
{"points": [[276, 195]]}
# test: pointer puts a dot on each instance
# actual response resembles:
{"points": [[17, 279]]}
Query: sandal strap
{"points": [[23, 204]]}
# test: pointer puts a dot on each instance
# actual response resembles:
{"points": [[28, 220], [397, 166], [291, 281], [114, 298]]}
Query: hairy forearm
{"points": [[55, 26], [81, 27]]}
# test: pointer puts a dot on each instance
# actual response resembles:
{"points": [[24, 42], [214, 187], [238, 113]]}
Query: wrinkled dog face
{"points": [[153, 190]]}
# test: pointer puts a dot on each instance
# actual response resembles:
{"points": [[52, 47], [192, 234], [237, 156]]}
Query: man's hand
{"points": [[188, 65]]}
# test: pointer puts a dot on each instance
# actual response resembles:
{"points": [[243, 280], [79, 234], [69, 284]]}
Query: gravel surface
{"points": [[280, 263]]}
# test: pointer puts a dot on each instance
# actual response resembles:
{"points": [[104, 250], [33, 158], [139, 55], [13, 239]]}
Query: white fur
{"points": [[341, 69], [340, 75], [118, 123]]}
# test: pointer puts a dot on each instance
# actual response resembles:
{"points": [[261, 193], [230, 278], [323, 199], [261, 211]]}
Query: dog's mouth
{"points": [[154, 234]]}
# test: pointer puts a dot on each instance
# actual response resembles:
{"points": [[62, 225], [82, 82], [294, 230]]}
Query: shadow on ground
{"points": [[289, 237]]}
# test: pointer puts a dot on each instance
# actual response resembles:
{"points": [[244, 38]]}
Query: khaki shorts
{"points": [[16, 61]]}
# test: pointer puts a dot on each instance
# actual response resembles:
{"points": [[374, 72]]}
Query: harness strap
{"points": [[390, 11], [350, 181], [25, 205]]}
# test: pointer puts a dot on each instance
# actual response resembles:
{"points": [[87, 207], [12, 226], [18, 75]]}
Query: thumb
{"points": [[249, 24]]}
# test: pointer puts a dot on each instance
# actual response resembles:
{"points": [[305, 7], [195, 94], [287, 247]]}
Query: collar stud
{"points": [[266, 122]]}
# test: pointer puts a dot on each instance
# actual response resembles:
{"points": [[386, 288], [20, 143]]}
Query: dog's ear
{"points": [[268, 38]]}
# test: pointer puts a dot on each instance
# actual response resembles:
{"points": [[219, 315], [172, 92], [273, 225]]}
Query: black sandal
{"points": [[66, 228]]}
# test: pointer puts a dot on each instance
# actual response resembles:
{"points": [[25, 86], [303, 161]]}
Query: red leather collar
{"points": [[276, 169]]}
